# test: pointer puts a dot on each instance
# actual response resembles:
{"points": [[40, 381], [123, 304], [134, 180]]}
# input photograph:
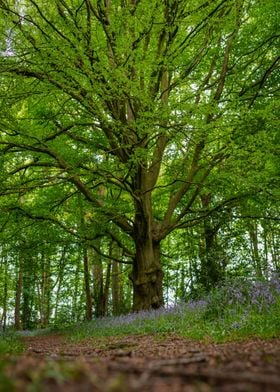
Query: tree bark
{"points": [[98, 280], [147, 274], [253, 233], [19, 284], [87, 285], [75, 312], [105, 295], [5, 295], [59, 282], [212, 269], [115, 289]]}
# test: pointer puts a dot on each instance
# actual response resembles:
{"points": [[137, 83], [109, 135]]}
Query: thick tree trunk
{"points": [[147, 276]]}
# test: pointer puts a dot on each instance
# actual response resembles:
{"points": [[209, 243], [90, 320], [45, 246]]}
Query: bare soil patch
{"points": [[144, 363]]}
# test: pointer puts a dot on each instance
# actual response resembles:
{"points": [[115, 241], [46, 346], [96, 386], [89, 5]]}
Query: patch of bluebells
{"points": [[199, 305], [237, 298], [258, 295], [140, 317], [128, 319], [262, 294], [241, 321]]}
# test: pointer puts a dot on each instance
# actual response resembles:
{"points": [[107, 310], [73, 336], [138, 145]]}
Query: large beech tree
{"points": [[140, 106]]}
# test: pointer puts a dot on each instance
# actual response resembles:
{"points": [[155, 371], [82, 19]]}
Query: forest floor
{"points": [[143, 363]]}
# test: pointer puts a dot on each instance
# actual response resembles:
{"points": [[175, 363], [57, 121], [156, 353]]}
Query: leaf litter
{"points": [[52, 363]]}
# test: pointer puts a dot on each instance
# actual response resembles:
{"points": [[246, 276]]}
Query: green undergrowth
{"points": [[10, 343], [190, 324], [232, 312]]}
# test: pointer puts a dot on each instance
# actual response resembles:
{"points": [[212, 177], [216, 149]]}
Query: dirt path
{"points": [[144, 363]]}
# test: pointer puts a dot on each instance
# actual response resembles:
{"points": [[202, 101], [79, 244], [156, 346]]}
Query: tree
{"points": [[144, 98]]}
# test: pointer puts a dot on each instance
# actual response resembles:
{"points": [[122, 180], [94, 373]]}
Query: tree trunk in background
{"points": [[105, 294], [210, 270], [212, 267], [87, 284], [39, 302], [19, 283], [59, 281], [183, 274], [266, 257], [42, 284], [253, 233], [122, 277], [275, 247], [46, 289], [75, 295], [98, 279], [116, 253], [193, 273], [28, 292], [3, 320], [115, 288]]}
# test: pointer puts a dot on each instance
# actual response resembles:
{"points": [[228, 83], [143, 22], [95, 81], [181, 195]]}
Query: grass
{"points": [[10, 344], [237, 310]]}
